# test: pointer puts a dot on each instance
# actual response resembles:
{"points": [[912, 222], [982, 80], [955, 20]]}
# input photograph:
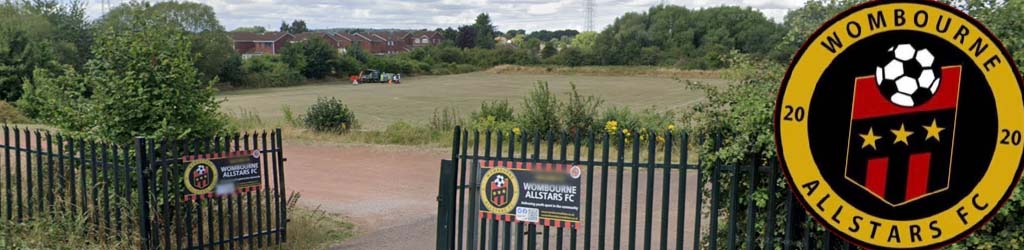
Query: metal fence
{"points": [[647, 191], [137, 190]]}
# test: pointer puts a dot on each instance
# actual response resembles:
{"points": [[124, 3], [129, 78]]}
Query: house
{"points": [[251, 44], [333, 40], [425, 38]]}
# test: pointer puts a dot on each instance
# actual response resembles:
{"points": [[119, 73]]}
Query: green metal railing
{"points": [[640, 191]]}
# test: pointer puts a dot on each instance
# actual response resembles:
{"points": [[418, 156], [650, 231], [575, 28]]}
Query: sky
{"points": [[530, 15]]}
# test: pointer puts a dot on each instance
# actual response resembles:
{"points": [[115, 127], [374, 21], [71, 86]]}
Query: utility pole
{"points": [[588, 8]]}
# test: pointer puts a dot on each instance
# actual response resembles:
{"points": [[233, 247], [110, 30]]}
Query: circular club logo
{"points": [[201, 177], [899, 125], [500, 190]]}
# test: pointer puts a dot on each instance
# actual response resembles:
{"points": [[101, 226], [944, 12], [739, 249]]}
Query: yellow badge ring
{"points": [[213, 173], [513, 188]]}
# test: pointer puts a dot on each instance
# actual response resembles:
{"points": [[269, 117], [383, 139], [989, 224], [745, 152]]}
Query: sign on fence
{"points": [[929, 105], [221, 174], [542, 193]]}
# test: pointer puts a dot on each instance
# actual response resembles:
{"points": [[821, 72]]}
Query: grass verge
{"points": [[315, 229]]}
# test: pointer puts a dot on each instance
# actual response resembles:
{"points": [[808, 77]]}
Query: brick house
{"points": [[251, 44], [425, 38], [334, 41]]}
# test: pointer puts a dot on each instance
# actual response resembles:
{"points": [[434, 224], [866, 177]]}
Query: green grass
{"points": [[315, 229], [379, 105]]}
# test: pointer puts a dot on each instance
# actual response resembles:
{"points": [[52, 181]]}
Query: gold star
{"points": [[933, 130], [901, 135], [869, 139]]}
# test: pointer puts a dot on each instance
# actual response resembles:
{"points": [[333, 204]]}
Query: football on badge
{"points": [[907, 75]]}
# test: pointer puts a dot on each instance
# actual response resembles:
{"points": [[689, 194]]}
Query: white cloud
{"points": [[430, 14]]}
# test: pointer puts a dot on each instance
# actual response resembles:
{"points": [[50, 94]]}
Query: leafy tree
{"points": [[285, 27], [548, 51], [298, 26], [801, 22], [210, 42], [24, 46], [484, 32], [547, 35], [449, 34], [467, 37], [141, 82], [73, 37], [584, 41], [253, 29], [314, 58]]}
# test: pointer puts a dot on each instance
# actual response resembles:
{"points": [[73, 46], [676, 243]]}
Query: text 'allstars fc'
{"points": [[898, 125]]}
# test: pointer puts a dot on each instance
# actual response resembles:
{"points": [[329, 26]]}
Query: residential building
{"points": [[250, 44]]}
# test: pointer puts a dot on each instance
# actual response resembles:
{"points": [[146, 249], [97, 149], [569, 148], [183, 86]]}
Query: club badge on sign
{"points": [[898, 125]]}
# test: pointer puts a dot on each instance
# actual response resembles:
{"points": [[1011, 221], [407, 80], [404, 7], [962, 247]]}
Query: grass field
{"points": [[414, 101]]}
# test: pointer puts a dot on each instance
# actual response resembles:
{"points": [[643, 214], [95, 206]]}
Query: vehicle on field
{"points": [[376, 76]]}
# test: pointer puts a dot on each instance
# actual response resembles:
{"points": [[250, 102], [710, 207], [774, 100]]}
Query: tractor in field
{"points": [[376, 76]]}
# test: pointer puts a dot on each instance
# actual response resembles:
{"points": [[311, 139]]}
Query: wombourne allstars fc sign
{"points": [[899, 125]]}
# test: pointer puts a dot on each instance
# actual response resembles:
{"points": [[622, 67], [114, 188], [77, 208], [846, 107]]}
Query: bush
{"points": [[445, 119], [580, 112], [346, 66], [10, 114], [268, 71], [329, 115], [540, 110], [500, 110]]}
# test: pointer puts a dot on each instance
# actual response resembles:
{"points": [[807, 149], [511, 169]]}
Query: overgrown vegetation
{"points": [[329, 115], [139, 83], [10, 114]]}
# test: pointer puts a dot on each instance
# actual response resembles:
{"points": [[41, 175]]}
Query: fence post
{"points": [[142, 189], [444, 205]]}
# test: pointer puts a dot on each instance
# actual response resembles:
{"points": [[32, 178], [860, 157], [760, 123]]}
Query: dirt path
{"points": [[389, 192]]}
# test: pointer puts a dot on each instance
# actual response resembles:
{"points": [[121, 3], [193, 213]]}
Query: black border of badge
{"points": [[803, 48]]}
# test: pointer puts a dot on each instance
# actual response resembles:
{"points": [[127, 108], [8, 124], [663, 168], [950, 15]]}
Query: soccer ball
{"points": [[907, 75]]}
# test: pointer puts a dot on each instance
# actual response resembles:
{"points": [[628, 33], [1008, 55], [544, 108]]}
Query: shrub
{"points": [[445, 119], [540, 110], [10, 114], [329, 115], [268, 71], [580, 112], [500, 110], [346, 66]]}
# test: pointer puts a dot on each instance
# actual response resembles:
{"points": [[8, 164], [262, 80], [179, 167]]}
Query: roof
{"points": [[308, 35], [252, 36]]}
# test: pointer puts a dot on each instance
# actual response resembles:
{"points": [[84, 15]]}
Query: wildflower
{"points": [[611, 126], [671, 127], [516, 130], [625, 131], [661, 139]]}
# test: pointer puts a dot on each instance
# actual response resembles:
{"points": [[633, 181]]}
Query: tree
{"points": [[253, 29], [484, 32], [25, 44], [584, 41], [210, 41], [297, 27], [285, 27], [467, 37], [141, 82], [449, 34], [314, 58], [73, 37], [548, 51]]}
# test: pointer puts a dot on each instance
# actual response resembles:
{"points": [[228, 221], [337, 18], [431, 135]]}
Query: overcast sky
{"points": [[530, 15]]}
